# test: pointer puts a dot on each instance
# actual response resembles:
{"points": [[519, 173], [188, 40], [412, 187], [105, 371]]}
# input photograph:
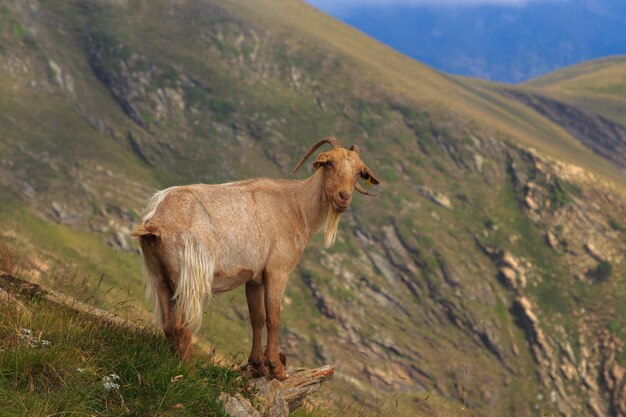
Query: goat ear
{"points": [[369, 177], [320, 160], [355, 148]]}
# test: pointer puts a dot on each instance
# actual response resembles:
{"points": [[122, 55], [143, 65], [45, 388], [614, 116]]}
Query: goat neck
{"points": [[311, 202]]}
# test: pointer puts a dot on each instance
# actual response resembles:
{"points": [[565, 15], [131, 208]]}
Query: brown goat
{"points": [[202, 239]]}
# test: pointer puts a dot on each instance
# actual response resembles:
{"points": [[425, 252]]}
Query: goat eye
{"points": [[365, 176], [329, 164]]}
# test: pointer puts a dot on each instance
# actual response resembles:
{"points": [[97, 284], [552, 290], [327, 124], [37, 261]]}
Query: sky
{"points": [[335, 6]]}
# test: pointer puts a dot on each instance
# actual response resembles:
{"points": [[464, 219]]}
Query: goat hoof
{"points": [[257, 365], [280, 375]]}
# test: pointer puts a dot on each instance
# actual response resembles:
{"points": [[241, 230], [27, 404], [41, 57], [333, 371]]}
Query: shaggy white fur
{"points": [[330, 226], [193, 291]]}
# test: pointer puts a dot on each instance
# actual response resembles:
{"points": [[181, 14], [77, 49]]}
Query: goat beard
{"points": [[330, 227]]}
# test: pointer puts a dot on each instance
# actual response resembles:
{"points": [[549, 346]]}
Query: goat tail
{"points": [[141, 230], [193, 289]]}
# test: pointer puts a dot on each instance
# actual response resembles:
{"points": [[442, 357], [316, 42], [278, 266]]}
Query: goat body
{"points": [[202, 239]]}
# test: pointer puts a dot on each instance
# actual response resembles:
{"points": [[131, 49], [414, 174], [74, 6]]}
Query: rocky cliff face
{"points": [[486, 275], [600, 134]]}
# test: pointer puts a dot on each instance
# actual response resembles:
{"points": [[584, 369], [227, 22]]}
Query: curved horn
{"points": [[333, 141], [360, 189]]}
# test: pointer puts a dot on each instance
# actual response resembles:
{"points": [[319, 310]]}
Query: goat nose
{"points": [[344, 196]]}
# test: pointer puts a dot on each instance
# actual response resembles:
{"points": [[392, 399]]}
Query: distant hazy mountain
{"points": [[496, 42]]}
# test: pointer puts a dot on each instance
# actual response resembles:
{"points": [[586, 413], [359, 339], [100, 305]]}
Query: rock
{"points": [[478, 162], [569, 371], [63, 215], [321, 353], [511, 272], [534, 333], [55, 69], [271, 397], [593, 252], [530, 203], [321, 302], [119, 242], [292, 391], [509, 277], [509, 260], [443, 201], [436, 197], [238, 406], [552, 240]]}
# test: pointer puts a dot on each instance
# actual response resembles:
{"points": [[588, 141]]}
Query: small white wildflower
{"points": [[81, 370], [109, 383], [45, 343], [2, 350], [25, 333]]}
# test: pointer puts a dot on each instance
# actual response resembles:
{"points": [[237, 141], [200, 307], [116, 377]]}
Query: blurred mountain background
{"points": [[500, 40]]}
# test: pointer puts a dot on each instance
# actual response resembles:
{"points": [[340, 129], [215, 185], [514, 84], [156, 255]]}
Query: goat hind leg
{"points": [[254, 296], [177, 332]]}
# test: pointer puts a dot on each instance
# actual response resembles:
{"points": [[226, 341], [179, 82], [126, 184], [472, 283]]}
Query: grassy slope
{"points": [[66, 376], [598, 86]]}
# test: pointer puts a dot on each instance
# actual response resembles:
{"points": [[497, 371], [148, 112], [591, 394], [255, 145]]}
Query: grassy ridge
{"points": [[598, 86]]}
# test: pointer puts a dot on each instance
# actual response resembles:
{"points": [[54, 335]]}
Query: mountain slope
{"points": [[597, 86], [587, 100], [480, 262]]}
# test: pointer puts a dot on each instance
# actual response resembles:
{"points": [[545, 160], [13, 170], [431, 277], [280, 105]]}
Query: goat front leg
{"points": [[274, 288], [254, 295]]}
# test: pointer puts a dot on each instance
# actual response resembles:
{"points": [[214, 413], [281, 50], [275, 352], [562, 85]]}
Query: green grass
{"points": [[66, 377]]}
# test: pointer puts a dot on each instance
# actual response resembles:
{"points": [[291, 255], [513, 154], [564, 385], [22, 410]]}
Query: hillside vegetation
{"points": [[55, 360], [486, 277]]}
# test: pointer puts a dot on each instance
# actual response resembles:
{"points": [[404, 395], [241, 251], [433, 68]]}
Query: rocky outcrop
{"points": [[145, 91], [276, 398], [322, 303], [611, 374], [436, 197], [591, 249], [238, 405]]}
